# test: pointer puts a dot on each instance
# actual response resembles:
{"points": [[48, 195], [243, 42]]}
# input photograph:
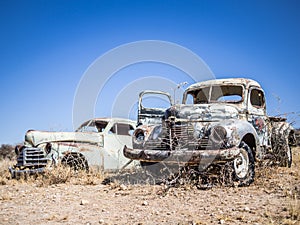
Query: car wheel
{"points": [[244, 166], [76, 161]]}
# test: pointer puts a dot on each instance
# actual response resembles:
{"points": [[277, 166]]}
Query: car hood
{"points": [[34, 137], [206, 112]]}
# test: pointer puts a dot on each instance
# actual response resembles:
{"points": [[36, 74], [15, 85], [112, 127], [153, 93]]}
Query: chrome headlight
{"points": [[218, 135], [139, 137]]}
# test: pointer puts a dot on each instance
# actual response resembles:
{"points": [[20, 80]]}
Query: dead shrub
{"points": [[56, 175], [64, 174], [7, 152]]}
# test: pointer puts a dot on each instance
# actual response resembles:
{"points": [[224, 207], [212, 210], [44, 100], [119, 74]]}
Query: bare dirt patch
{"points": [[61, 197]]}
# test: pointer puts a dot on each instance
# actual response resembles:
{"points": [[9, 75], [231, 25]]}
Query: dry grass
{"points": [[294, 194], [282, 180], [294, 209], [5, 177], [277, 191], [292, 190], [57, 175]]}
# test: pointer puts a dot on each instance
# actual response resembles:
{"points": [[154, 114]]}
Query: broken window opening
{"points": [[257, 98], [101, 125], [122, 129]]}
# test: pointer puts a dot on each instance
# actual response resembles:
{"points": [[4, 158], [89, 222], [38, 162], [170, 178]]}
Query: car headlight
{"points": [[139, 137], [156, 132], [48, 148], [218, 135]]}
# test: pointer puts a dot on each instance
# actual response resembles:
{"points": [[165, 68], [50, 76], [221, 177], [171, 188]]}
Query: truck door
{"points": [[147, 113], [257, 113]]}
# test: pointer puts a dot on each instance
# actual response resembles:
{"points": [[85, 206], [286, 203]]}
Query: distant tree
{"points": [[7, 151]]}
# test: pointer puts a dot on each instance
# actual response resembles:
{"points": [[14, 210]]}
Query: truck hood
{"points": [[34, 137], [205, 112]]}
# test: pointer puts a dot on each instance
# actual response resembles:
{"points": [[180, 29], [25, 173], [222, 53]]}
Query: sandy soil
{"points": [[272, 199]]}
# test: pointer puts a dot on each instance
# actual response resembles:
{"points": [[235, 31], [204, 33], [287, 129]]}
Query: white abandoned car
{"points": [[220, 124], [97, 142]]}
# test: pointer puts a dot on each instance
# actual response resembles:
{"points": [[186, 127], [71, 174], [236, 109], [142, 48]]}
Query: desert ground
{"points": [[62, 197]]}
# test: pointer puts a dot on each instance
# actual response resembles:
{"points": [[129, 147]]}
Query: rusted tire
{"points": [[76, 161], [244, 166], [289, 157], [284, 156], [281, 150]]}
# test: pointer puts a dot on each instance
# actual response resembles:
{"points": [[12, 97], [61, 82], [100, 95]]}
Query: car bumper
{"points": [[15, 173], [182, 156]]}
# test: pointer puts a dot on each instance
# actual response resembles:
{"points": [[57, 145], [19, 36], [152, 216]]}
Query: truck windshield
{"points": [[212, 94]]}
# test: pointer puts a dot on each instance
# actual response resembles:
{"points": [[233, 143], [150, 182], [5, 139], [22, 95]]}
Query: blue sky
{"points": [[46, 46]]}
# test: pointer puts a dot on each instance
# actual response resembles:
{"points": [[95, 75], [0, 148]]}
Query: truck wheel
{"points": [[243, 166], [282, 151], [76, 161], [289, 157], [285, 156]]}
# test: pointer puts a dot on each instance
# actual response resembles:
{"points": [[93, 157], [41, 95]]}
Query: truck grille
{"points": [[179, 136], [162, 143], [204, 143], [32, 158]]}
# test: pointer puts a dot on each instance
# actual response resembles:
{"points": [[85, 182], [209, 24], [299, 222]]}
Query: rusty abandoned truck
{"points": [[97, 142], [220, 124]]}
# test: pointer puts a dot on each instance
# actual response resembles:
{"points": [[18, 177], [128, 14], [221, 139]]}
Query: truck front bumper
{"points": [[187, 157]]}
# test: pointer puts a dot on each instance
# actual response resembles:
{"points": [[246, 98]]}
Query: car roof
{"points": [[108, 119]]}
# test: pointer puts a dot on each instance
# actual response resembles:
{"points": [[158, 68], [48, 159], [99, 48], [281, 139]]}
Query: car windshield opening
{"points": [[222, 93], [92, 126]]}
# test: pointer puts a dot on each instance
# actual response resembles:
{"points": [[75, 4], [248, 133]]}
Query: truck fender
{"points": [[240, 130]]}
